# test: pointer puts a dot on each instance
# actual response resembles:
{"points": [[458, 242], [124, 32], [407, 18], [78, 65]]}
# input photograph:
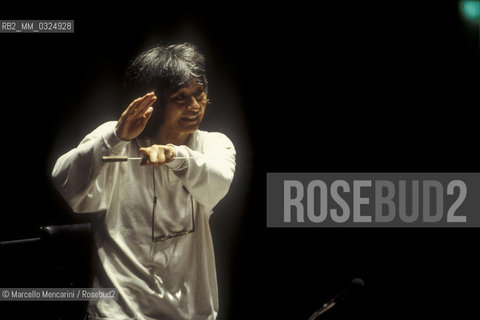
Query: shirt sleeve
{"points": [[80, 175], [208, 175]]}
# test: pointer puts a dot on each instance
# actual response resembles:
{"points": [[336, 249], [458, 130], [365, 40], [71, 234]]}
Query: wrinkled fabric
{"points": [[172, 279]]}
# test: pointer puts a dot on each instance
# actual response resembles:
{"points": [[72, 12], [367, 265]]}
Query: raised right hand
{"points": [[134, 119]]}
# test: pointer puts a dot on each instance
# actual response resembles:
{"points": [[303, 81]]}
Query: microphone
{"points": [[353, 287]]}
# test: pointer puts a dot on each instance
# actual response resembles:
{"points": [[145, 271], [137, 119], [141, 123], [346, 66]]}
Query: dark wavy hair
{"points": [[164, 70]]}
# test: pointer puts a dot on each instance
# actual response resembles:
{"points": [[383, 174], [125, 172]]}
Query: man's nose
{"points": [[193, 104]]}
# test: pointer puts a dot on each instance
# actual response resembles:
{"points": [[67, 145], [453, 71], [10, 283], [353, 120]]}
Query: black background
{"points": [[330, 87]]}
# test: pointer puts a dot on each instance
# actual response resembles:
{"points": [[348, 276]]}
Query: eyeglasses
{"points": [[174, 234]]}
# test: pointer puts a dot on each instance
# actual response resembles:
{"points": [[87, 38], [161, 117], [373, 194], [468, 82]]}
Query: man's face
{"points": [[185, 109]]}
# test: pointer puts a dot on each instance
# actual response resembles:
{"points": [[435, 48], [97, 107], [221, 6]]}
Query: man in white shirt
{"points": [[152, 235]]}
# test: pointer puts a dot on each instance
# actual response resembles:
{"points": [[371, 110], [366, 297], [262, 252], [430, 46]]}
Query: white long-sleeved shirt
{"points": [[172, 279]]}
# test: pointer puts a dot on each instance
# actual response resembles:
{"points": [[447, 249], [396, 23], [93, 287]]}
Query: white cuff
{"points": [[111, 140]]}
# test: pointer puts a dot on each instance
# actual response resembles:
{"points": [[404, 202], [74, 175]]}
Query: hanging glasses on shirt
{"points": [[184, 232]]}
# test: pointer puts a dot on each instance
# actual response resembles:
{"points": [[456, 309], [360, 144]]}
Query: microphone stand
{"points": [[327, 306], [19, 241], [355, 284]]}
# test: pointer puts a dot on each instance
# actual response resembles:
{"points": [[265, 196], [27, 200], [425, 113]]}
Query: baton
{"points": [[125, 158]]}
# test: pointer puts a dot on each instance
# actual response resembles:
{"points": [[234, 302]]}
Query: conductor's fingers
{"points": [[156, 155], [140, 105]]}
